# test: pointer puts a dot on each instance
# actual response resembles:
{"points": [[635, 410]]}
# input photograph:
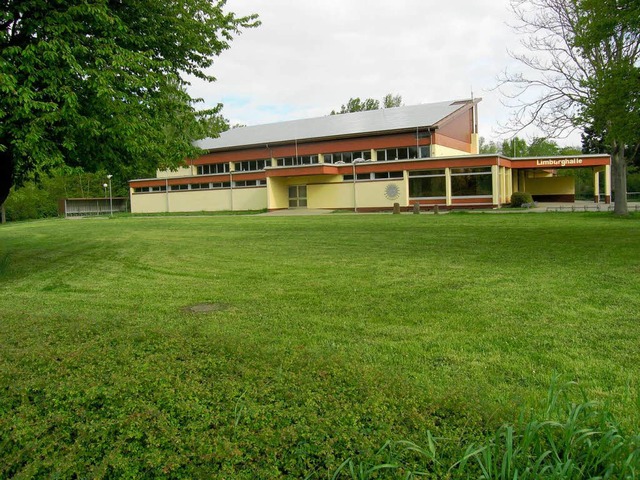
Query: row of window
{"points": [[402, 153], [252, 165], [422, 183], [374, 176], [346, 157], [213, 168], [465, 182], [299, 160], [202, 186]]}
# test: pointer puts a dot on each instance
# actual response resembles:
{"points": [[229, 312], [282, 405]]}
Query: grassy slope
{"points": [[340, 332]]}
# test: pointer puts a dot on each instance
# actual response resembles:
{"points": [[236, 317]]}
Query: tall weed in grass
{"points": [[563, 440], [568, 440]]}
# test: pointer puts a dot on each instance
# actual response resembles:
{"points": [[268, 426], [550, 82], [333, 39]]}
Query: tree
{"points": [[101, 84], [542, 147], [516, 147], [391, 101], [357, 105], [582, 70], [488, 147]]}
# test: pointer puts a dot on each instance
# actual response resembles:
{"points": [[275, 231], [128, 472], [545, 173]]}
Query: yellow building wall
{"points": [[550, 186], [440, 151], [336, 195], [148, 202], [251, 198], [278, 195], [279, 188], [199, 201], [475, 143], [372, 194], [367, 194]]}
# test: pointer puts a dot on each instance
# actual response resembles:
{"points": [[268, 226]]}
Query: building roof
{"points": [[372, 121]]}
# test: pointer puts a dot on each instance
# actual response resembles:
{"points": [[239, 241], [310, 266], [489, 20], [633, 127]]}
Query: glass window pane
{"points": [[419, 173], [381, 155], [471, 185], [427, 187]]}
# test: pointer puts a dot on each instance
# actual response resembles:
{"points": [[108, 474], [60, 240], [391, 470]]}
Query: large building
{"points": [[364, 161]]}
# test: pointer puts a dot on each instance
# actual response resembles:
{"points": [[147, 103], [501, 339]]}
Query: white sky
{"points": [[310, 56]]}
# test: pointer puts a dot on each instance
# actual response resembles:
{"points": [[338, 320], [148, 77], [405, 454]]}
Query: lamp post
{"points": [[353, 166], [110, 196], [104, 186]]}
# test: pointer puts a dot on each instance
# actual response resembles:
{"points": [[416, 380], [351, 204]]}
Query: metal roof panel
{"points": [[372, 121]]}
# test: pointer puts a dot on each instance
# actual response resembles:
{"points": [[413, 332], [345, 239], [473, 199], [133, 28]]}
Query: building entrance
{"points": [[297, 196]]}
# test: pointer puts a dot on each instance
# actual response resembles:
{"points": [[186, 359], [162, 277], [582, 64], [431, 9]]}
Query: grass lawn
{"points": [[329, 336]]}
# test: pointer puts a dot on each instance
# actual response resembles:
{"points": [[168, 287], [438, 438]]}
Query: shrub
{"points": [[518, 198]]}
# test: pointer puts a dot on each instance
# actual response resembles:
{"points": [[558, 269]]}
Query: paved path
{"points": [[297, 212]]}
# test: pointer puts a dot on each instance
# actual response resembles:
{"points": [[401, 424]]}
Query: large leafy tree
{"points": [[101, 83], [582, 69]]}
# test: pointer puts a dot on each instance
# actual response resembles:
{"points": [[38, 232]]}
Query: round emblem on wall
{"points": [[392, 192]]}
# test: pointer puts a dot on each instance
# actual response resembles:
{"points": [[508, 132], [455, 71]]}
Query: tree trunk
{"points": [[619, 172], [3, 215], [6, 175]]}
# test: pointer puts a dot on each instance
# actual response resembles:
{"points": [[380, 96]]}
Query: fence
{"points": [[82, 207]]}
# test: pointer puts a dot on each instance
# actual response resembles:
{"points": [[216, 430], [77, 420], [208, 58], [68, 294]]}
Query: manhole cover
{"points": [[207, 307]]}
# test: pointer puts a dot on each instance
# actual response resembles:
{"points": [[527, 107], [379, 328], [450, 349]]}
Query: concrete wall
{"points": [[249, 198], [550, 186], [338, 195], [441, 151]]}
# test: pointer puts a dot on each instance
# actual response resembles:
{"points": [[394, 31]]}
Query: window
{"points": [[213, 168], [179, 187], [199, 186], [161, 188], [347, 157], [300, 160], [249, 183], [307, 159], [471, 182], [400, 153], [383, 175], [427, 184], [140, 189], [251, 165]]}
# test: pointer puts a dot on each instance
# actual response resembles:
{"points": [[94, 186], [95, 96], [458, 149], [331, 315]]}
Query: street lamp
{"points": [[110, 196], [353, 166], [104, 185]]}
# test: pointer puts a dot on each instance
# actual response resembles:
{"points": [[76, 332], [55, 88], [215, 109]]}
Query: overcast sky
{"points": [[310, 56]]}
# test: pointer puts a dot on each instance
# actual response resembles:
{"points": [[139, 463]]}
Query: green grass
{"points": [[335, 334]]}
